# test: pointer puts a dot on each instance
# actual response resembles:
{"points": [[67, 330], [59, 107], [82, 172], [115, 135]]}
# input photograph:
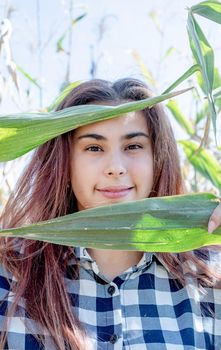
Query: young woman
{"points": [[57, 297]]}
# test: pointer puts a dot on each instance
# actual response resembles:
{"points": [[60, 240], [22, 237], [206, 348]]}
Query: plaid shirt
{"points": [[144, 308]]}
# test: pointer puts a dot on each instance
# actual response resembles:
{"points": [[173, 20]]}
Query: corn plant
{"points": [[206, 161], [168, 224]]}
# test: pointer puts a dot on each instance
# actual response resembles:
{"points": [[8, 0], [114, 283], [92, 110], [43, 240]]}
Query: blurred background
{"points": [[46, 45]]}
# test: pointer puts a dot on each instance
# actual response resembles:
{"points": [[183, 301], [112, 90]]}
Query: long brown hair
{"points": [[44, 191]]}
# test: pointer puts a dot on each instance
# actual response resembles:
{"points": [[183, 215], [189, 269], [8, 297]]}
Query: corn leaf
{"points": [[79, 18], [173, 106], [204, 162], [144, 70], [202, 114], [190, 71], [217, 92], [60, 41], [204, 57], [208, 9], [155, 18], [216, 80], [32, 80], [166, 224], [217, 98], [20, 133], [169, 51], [59, 44], [63, 94]]}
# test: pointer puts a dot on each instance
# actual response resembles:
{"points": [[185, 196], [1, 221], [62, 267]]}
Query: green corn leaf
{"points": [[60, 41], [216, 80], [202, 51], [63, 94], [190, 71], [217, 92], [59, 44], [20, 133], [169, 51], [217, 98], [79, 18], [166, 224], [144, 70], [204, 162], [155, 18], [204, 57], [26, 75], [180, 118], [202, 114], [208, 9]]}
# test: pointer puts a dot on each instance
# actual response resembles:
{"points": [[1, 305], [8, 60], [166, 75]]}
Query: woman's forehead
{"points": [[128, 120]]}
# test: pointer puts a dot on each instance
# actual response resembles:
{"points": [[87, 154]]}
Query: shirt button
{"points": [[113, 338], [111, 290]]}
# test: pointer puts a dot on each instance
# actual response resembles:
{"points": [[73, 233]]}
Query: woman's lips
{"points": [[115, 192]]}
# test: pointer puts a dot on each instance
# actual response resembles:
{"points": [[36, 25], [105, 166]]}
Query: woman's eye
{"points": [[94, 149], [134, 146]]}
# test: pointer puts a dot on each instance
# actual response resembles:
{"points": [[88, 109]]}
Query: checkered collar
{"points": [[83, 256]]}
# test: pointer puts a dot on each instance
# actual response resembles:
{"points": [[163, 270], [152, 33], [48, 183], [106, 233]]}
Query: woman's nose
{"points": [[115, 167]]}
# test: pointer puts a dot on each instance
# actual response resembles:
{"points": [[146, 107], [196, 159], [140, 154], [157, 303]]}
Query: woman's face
{"points": [[112, 161]]}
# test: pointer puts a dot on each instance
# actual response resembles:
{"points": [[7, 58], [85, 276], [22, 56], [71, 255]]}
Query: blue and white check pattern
{"points": [[144, 308]]}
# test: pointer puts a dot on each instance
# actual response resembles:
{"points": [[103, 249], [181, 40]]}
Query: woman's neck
{"points": [[112, 263]]}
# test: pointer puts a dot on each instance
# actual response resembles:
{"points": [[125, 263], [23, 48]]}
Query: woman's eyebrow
{"points": [[92, 136], [124, 137], [135, 134]]}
